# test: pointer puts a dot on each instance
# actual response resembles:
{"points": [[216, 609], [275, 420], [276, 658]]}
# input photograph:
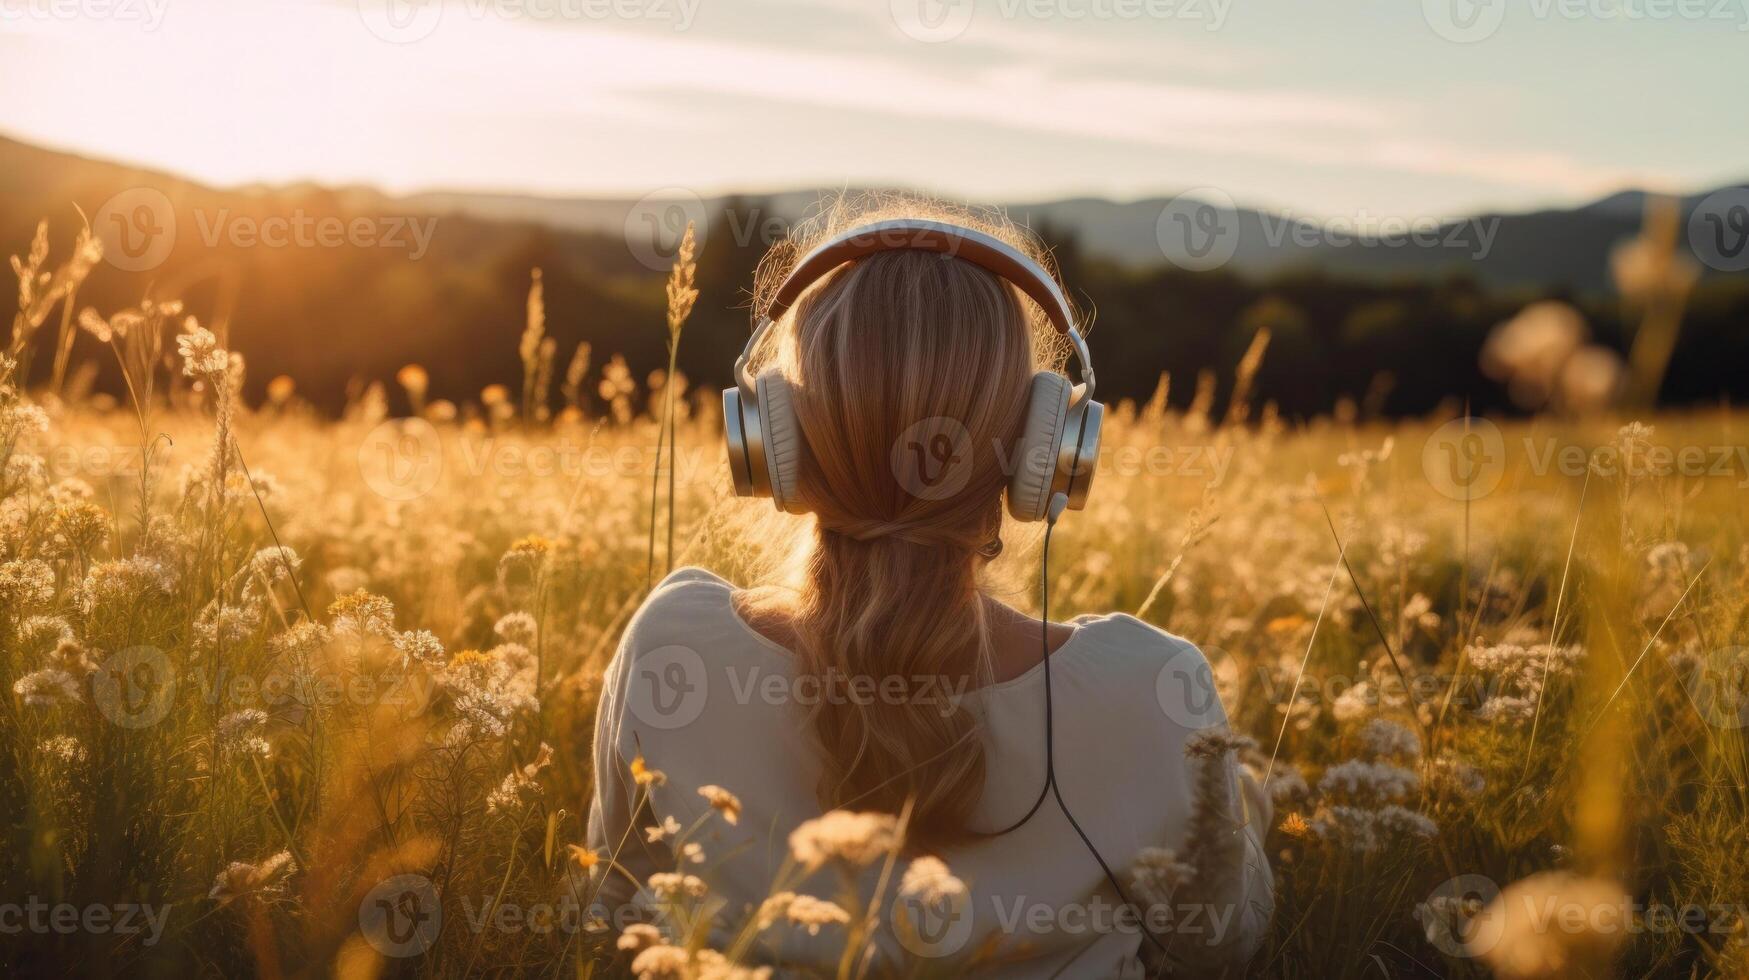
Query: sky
{"points": [[1357, 108]]}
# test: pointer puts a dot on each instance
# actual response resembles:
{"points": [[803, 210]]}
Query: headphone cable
{"points": [[1051, 787]]}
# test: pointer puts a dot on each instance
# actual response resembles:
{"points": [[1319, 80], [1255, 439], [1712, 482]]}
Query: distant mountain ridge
{"points": [[1563, 249], [1557, 248]]}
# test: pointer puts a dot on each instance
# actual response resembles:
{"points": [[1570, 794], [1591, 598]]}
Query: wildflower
{"points": [[664, 962], [124, 583], [70, 655], [1524, 672], [71, 491], [419, 647], [37, 635], [262, 880], [671, 885], [662, 831], [26, 584], [1354, 703], [202, 357], [19, 419], [927, 879], [1419, 610], [1156, 875], [361, 615], [775, 907], [1368, 781], [47, 688], [524, 559], [1402, 821], [692, 852], [1294, 825], [585, 858], [516, 627], [814, 913], [722, 801], [226, 627], [239, 734], [1388, 740], [1284, 782], [643, 775], [77, 528], [661, 962], [274, 564], [300, 640], [486, 690], [856, 839], [639, 936], [1365, 831], [522, 785]]}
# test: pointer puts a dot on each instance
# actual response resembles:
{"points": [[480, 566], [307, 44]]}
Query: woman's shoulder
{"points": [[691, 607], [1135, 655]]}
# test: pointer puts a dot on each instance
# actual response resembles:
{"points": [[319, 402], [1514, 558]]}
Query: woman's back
{"points": [[709, 701]]}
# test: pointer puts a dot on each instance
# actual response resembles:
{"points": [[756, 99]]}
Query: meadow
{"points": [[271, 678]]}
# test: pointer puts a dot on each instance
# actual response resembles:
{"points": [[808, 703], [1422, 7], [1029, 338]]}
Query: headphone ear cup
{"points": [[1035, 459], [783, 440]]}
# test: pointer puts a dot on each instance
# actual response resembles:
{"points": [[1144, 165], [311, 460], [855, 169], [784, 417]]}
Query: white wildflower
{"points": [[240, 734], [1384, 739], [853, 838], [516, 627], [264, 880], [47, 688], [1363, 781]]}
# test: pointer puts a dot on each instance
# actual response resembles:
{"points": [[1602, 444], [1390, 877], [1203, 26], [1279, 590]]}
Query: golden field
{"points": [[259, 666]]}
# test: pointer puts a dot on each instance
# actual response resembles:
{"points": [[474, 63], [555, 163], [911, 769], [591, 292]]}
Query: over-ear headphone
{"points": [[1059, 445]]}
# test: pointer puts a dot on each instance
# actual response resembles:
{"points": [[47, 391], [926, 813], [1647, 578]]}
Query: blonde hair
{"points": [[890, 588]]}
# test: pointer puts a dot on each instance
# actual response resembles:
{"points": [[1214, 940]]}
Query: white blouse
{"points": [[707, 700]]}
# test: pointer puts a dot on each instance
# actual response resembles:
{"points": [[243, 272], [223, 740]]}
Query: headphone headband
{"points": [[983, 250], [986, 251]]}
